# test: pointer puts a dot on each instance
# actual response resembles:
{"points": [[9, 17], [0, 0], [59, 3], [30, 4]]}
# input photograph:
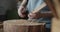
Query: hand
{"points": [[22, 12], [34, 15]]}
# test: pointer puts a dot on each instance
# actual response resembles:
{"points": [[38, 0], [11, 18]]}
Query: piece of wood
{"points": [[57, 7], [55, 25], [52, 7], [23, 26]]}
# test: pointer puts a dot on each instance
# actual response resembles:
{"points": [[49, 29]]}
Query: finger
{"points": [[21, 15], [31, 15], [22, 9]]}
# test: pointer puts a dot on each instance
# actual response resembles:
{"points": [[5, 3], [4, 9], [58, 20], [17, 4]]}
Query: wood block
{"points": [[55, 25], [23, 26], [52, 7], [57, 7]]}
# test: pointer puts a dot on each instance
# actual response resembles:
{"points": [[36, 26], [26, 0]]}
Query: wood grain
{"points": [[52, 7], [57, 7], [22, 26], [55, 25]]}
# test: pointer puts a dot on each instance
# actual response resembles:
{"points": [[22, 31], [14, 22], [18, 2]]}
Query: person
{"points": [[44, 15]]}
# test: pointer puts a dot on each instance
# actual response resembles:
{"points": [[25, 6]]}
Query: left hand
{"points": [[34, 15]]}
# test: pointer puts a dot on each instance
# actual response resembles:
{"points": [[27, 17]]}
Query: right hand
{"points": [[22, 12]]}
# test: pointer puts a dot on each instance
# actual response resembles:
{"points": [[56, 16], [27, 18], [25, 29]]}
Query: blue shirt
{"points": [[32, 4]]}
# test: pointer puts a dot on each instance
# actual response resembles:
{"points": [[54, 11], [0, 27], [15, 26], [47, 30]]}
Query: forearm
{"points": [[24, 2]]}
